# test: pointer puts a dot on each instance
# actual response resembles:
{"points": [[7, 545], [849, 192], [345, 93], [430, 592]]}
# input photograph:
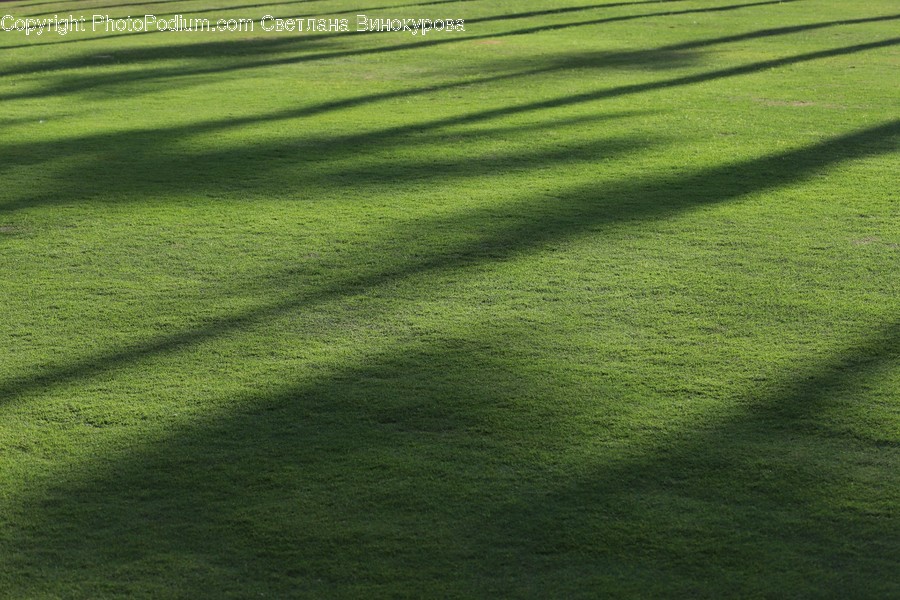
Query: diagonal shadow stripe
{"points": [[625, 204], [416, 45]]}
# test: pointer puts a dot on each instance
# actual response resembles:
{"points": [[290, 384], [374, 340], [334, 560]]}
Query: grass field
{"points": [[591, 299]]}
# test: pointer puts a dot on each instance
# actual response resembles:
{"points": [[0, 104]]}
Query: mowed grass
{"points": [[593, 299]]}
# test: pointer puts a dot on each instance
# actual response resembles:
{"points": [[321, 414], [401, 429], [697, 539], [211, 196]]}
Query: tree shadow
{"points": [[664, 57], [309, 161], [489, 238], [419, 467], [638, 59], [144, 148], [417, 463], [681, 54], [76, 83], [562, 11], [231, 9], [771, 496]]}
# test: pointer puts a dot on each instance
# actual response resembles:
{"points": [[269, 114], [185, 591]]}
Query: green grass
{"points": [[594, 299]]}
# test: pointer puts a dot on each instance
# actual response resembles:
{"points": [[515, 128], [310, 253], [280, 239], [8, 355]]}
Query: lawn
{"points": [[591, 299]]}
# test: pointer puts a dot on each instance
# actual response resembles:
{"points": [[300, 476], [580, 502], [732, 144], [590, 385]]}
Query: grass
{"points": [[593, 299]]}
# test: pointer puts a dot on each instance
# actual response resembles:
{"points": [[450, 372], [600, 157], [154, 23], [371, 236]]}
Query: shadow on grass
{"points": [[563, 11], [667, 55], [141, 151], [309, 162], [672, 55], [523, 228], [438, 469], [226, 9], [417, 465], [781, 496], [370, 9], [70, 84]]}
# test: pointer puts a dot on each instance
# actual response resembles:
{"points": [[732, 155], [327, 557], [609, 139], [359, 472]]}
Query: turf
{"points": [[591, 299]]}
